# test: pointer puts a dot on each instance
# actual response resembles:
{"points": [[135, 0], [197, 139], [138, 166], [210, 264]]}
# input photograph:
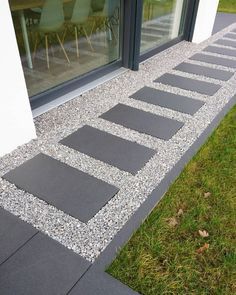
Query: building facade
{"points": [[55, 48]]}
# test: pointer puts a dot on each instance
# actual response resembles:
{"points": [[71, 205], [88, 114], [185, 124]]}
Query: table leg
{"points": [[26, 39]]}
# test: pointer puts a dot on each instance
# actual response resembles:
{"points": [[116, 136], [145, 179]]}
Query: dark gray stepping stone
{"points": [[100, 283], [230, 36], [204, 71], [221, 50], [168, 100], [225, 62], [189, 84], [68, 189], [42, 266], [14, 233], [226, 42], [144, 122], [126, 155]]}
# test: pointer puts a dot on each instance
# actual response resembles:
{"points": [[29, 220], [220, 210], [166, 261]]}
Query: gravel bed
{"points": [[213, 66], [90, 239], [197, 77], [89, 165]]}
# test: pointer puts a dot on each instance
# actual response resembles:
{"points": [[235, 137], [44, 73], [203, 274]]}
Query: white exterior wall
{"points": [[16, 122], [205, 20]]}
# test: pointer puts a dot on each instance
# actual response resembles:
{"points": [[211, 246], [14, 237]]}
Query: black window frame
{"points": [[130, 28]]}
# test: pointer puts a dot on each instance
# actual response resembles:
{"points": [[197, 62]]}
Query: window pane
{"points": [[162, 21], [60, 40]]}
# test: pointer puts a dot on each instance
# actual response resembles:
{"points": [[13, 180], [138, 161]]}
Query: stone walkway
{"points": [[98, 158], [223, 20]]}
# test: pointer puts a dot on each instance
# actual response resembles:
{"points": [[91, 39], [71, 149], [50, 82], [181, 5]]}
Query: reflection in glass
{"points": [[162, 21], [60, 40]]}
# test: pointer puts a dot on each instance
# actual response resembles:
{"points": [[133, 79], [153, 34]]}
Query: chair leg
{"points": [[64, 36], [51, 47], [105, 33], [76, 41], [47, 54], [93, 26], [113, 32], [36, 45], [87, 38], [63, 49]]}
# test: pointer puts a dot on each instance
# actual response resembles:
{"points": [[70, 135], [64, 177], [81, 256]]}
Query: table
{"points": [[19, 6]]}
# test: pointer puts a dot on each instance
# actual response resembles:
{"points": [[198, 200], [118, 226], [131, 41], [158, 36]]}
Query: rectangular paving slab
{"points": [[168, 100], [42, 266], [221, 61], [68, 189], [100, 283], [126, 155], [14, 233], [189, 84], [144, 122], [230, 35], [204, 71], [226, 42], [221, 50]]}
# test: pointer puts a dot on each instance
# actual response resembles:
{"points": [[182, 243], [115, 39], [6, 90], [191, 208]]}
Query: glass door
{"points": [[61, 40], [162, 21]]}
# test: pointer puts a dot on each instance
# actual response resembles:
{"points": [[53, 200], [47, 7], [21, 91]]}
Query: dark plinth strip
{"points": [[13, 234], [144, 122], [168, 100], [189, 84], [231, 36], [221, 50], [68, 189], [214, 60], [42, 266], [100, 283], [226, 42], [96, 281], [204, 71], [121, 153]]}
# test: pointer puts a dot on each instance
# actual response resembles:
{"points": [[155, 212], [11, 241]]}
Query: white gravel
{"points": [[90, 239]]}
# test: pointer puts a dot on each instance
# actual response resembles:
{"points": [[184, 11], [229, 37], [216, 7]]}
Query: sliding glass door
{"points": [[60, 40], [162, 21]]}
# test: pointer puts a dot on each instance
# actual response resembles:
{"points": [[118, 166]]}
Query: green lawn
{"points": [[167, 254], [227, 6]]}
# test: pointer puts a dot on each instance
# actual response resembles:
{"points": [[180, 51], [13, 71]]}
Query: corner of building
{"points": [[206, 14], [16, 121]]}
